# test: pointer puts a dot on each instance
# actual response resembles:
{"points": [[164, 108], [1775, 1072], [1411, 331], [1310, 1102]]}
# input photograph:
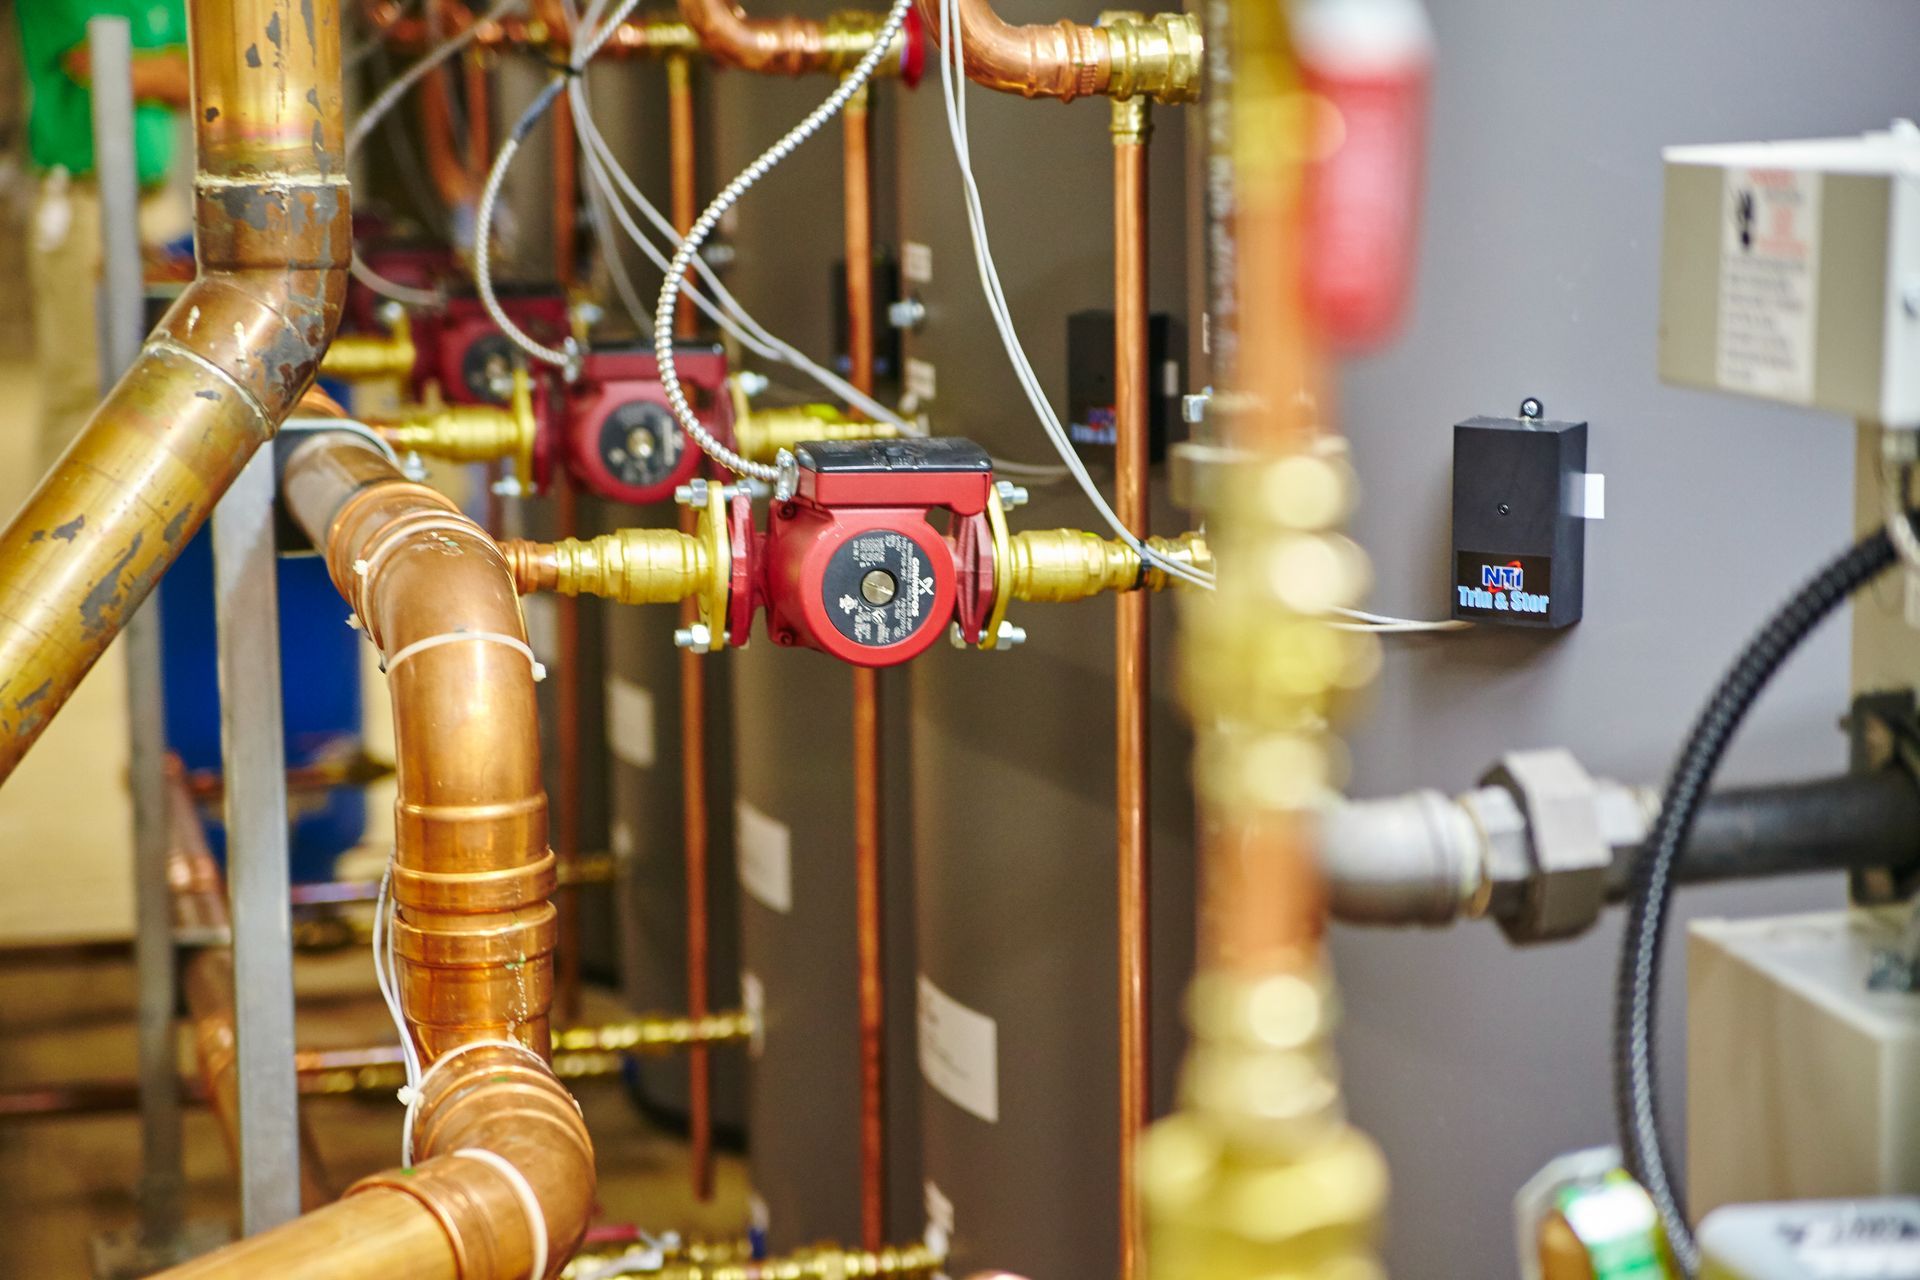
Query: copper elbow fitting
{"points": [[495, 1100], [630, 566]]}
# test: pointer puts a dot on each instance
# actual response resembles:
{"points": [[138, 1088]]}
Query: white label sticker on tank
{"points": [[920, 379], [764, 848], [543, 626], [916, 262], [630, 722], [753, 999], [959, 1052], [1769, 282]]}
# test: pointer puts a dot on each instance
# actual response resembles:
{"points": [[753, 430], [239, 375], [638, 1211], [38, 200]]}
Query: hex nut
{"points": [[1566, 887]]}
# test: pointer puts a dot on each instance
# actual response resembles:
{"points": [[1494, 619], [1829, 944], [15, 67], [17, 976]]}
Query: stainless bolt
{"points": [[691, 494], [908, 314], [413, 466], [390, 314], [508, 486], [1010, 636], [751, 383], [719, 255], [1011, 495], [696, 637], [1193, 407]]}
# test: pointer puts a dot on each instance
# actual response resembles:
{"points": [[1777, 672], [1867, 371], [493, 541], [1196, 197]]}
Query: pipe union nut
{"points": [[1566, 882]]}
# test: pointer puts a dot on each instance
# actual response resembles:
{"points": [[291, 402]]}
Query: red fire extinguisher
{"points": [[1370, 62]]}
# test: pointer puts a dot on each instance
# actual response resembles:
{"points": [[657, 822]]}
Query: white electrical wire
{"points": [[384, 976], [604, 170], [684, 256], [377, 111], [953, 81]]}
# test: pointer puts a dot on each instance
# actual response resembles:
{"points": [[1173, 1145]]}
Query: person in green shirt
{"points": [[63, 252]]}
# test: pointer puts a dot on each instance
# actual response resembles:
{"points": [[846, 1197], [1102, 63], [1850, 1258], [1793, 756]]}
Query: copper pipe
{"points": [[471, 867], [446, 165], [684, 159], [473, 931], [1132, 126], [650, 36], [1158, 57], [566, 191], [824, 1262], [479, 84], [200, 903], [695, 833], [869, 838], [567, 745], [596, 868], [580, 1053], [219, 373], [787, 46]]}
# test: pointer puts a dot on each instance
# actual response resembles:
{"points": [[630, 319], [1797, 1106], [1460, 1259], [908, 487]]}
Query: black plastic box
{"points": [[1519, 535]]}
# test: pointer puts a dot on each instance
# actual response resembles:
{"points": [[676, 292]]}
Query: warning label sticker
{"points": [[959, 1052], [1769, 279]]}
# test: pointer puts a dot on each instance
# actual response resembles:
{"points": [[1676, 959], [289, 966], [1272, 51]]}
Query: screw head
{"points": [[908, 314], [1010, 636], [1504, 509], [878, 587], [1011, 494], [1532, 408], [691, 494]]}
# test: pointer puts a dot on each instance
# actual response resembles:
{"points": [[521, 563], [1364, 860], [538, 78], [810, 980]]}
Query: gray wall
{"points": [[1474, 1063]]}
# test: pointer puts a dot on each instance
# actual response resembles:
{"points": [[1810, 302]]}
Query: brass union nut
{"points": [[1157, 57]]}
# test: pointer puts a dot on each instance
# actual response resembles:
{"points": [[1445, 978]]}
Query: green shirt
{"points": [[60, 124]]}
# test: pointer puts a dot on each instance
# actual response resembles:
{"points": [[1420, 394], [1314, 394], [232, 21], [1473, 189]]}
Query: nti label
{"points": [[1502, 586]]}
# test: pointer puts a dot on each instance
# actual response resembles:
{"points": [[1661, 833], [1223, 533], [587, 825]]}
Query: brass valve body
{"points": [[1060, 565], [761, 433], [629, 566], [458, 432], [362, 357]]}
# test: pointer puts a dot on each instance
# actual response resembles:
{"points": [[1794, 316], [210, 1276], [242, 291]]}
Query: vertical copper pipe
{"points": [[479, 117], [695, 833], [567, 609], [868, 849], [684, 159], [566, 826], [1131, 126], [566, 206]]}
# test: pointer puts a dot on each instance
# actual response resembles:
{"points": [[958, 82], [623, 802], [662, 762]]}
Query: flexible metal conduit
{"points": [[505, 1173], [218, 375]]}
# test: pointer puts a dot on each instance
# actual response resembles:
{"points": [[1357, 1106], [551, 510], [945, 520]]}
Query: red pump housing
{"points": [[462, 349], [617, 436], [856, 566]]}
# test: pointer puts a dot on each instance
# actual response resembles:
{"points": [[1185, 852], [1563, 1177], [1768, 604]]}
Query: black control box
{"points": [[1090, 381], [1519, 528]]}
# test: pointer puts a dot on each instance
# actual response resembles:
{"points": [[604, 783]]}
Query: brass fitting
{"points": [[1156, 57], [1060, 565], [653, 35], [761, 433], [821, 1262], [847, 35], [473, 432], [629, 566], [363, 357], [657, 1033], [1259, 1173]]}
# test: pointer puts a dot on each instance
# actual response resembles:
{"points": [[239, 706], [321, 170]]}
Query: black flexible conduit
{"points": [[1636, 997]]}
